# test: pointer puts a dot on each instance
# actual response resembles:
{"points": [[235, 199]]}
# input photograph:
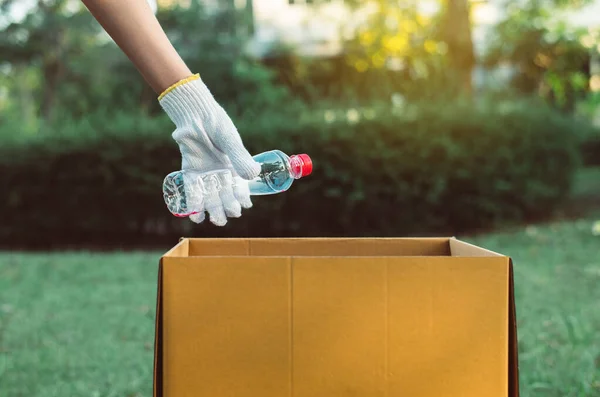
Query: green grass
{"points": [[78, 324]]}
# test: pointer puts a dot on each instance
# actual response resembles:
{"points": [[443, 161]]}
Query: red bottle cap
{"points": [[307, 165]]}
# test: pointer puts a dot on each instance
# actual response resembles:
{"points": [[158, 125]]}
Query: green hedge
{"points": [[590, 149], [429, 169]]}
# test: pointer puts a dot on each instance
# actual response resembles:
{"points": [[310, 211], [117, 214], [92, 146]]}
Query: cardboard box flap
{"points": [[192, 247], [158, 335], [319, 247], [460, 248], [513, 346], [182, 249]]}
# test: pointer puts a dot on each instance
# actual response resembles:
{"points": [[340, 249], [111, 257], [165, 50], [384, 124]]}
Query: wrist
{"points": [[178, 83], [188, 101]]}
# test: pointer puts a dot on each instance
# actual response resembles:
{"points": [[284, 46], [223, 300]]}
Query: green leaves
{"points": [[549, 54], [434, 168]]}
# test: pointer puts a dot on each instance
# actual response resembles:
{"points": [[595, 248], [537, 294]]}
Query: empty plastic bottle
{"points": [[184, 190]]}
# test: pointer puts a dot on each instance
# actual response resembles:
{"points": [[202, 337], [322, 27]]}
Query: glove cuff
{"points": [[188, 101]]}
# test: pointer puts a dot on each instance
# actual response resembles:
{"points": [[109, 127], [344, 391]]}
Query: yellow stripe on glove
{"points": [[179, 83]]}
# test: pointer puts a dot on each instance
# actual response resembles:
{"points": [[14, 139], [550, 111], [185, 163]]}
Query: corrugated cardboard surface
{"points": [[334, 317]]}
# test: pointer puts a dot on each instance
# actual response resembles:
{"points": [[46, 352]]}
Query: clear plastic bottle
{"points": [[184, 190]]}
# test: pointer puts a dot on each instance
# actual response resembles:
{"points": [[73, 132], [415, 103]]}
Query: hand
{"points": [[209, 141], [207, 138]]}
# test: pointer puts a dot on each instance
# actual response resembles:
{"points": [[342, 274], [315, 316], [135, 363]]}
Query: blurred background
{"points": [[477, 118], [433, 117]]}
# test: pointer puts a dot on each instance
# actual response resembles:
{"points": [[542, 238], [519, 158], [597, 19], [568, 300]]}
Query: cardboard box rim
{"points": [[452, 244], [465, 248]]}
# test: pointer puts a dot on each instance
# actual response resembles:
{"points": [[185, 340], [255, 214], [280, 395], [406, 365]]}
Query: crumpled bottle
{"points": [[184, 190]]}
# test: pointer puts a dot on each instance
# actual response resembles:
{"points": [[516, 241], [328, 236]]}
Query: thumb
{"points": [[229, 142], [243, 163]]}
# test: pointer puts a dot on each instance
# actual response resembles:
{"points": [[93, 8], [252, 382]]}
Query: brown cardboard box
{"points": [[333, 318]]}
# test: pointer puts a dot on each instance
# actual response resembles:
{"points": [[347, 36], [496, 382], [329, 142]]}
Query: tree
{"points": [[213, 44], [51, 39], [398, 35], [456, 33], [548, 54]]}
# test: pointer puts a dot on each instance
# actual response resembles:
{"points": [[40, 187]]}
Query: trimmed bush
{"points": [[414, 170], [590, 149]]}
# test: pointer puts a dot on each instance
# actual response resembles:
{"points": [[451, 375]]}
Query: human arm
{"points": [[135, 29], [207, 138]]}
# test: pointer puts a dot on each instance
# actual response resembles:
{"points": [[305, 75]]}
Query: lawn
{"points": [[77, 324], [81, 324]]}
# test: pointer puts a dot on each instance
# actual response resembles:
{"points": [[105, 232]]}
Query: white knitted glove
{"points": [[208, 141]]}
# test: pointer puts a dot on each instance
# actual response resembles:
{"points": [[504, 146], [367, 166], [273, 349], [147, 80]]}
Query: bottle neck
{"points": [[296, 165]]}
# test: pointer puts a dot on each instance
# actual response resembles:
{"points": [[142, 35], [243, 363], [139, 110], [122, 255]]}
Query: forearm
{"points": [[135, 29]]}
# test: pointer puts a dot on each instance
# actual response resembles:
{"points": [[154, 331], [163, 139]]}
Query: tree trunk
{"points": [[53, 69], [51, 72], [457, 35], [250, 16]]}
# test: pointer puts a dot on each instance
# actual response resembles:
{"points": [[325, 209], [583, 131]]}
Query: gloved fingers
{"points": [[194, 193], [212, 200], [241, 191], [228, 140], [231, 205], [243, 163], [198, 217], [215, 210]]}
